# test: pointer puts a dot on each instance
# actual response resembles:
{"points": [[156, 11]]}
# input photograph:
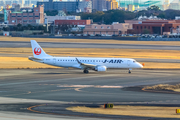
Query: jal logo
{"points": [[37, 51]]}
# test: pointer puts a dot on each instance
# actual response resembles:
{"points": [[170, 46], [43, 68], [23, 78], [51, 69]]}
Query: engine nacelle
{"points": [[100, 68]]}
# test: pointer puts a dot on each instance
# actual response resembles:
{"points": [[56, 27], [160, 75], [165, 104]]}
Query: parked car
{"points": [[71, 35], [98, 35], [123, 35], [85, 34], [114, 35], [92, 35], [78, 35]]}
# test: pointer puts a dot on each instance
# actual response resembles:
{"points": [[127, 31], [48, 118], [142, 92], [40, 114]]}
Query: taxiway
{"points": [[24, 88]]}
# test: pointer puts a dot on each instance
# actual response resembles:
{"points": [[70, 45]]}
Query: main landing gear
{"points": [[130, 71], [86, 71]]}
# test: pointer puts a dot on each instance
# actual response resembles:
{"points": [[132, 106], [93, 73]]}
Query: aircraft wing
{"points": [[86, 66]]}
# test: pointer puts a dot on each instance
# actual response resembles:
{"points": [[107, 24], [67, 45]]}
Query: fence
{"points": [[159, 39]]}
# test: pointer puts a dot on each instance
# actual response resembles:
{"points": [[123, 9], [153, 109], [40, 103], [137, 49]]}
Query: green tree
{"points": [[20, 27], [29, 27], [170, 14], [6, 28], [51, 12], [161, 15], [145, 31], [1, 17], [153, 8], [108, 17]]}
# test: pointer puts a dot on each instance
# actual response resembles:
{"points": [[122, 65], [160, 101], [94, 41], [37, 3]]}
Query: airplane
{"points": [[83, 63]]}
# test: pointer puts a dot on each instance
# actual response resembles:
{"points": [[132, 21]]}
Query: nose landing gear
{"points": [[130, 71]]}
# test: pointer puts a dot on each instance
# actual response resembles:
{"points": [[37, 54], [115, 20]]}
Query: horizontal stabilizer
{"points": [[34, 59]]}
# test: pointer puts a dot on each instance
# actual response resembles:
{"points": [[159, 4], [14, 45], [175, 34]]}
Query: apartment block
{"points": [[34, 16]]}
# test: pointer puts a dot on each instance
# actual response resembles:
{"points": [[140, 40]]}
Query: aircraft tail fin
{"points": [[38, 52]]}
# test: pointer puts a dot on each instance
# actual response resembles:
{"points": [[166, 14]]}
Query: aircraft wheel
{"points": [[130, 70], [86, 71]]}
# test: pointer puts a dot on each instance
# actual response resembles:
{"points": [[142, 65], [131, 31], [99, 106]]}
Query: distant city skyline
{"points": [[123, 3]]}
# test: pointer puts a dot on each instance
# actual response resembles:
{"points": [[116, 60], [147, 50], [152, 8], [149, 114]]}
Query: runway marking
{"points": [[29, 92], [57, 80], [90, 86], [77, 89], [31, 109]]}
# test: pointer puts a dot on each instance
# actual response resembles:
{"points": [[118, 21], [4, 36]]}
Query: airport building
{"points": [[72, 22], [51, 19], [154, 27], [114, 29]]}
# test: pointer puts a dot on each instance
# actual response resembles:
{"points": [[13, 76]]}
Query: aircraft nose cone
{"points": [[140, 66]]}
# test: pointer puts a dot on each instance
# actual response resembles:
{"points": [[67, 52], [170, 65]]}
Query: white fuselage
{"points": [[84, 63], [108, 62]]}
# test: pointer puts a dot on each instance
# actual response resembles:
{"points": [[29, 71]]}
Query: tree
{"points": [[19, 26], [51, 12], [108, 17], [171, 14], [6, 28], [29, 27], [145, 31], [1, 17], [161, 15], [153, 8]]}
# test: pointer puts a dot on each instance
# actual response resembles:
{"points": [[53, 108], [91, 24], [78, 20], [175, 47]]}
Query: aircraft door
{"points": [[54, 60], [128, 62]]}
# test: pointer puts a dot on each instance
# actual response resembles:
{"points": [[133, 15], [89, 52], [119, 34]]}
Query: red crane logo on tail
{"points": [[37, 51]]}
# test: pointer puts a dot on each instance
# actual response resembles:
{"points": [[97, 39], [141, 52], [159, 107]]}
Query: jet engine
{"points": [[100, 68]]}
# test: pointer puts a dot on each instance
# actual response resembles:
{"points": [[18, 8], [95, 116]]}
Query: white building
{"points": [[51, 19], [131, 8], [175, 5], [85, 6]]}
